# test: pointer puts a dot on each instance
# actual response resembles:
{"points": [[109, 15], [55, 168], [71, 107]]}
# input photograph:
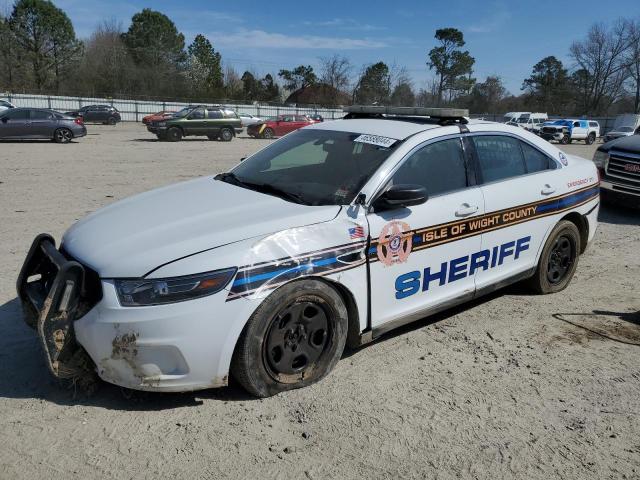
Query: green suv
{"points": [[214, 122]]}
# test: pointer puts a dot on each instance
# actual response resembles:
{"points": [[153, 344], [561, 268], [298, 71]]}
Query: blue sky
{"points": [[506, 38]]}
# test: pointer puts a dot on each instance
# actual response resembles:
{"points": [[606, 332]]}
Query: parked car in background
{"points": [[215, 122], [248, 119], [567, 130], [618, 162], [624, 131], [279, 126], [97, 114], [316, 117], [4, 105], [39, 123], [157, 116]]}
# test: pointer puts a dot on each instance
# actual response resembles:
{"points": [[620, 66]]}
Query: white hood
{"points": [[134, 236]]}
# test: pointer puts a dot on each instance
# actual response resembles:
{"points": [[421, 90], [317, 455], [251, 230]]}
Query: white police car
{"points": [[334, 234]]}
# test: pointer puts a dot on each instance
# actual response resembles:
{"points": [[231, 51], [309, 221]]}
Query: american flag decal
{"points": [[356, 232]]}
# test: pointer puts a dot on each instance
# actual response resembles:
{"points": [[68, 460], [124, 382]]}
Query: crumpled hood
{"points": [[131, 237]]}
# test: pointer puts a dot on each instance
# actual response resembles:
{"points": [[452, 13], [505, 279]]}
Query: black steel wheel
{"points": [[293, 339], [559, 259], [298, 336], [63, 135]]}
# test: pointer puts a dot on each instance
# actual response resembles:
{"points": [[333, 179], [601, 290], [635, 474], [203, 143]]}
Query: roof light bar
{"points": [[408, 111]]}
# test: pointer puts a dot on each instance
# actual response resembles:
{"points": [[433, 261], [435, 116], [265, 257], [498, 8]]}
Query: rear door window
{"points": [[500, 157], [41, 115], [535, 160], [214, 114]]}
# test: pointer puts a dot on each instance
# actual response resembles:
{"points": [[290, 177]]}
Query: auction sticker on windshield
{"points": [[376, 140]]}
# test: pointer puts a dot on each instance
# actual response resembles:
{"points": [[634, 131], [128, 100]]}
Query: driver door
{"points": [[195, 123], [420, 255], [15, 123]]}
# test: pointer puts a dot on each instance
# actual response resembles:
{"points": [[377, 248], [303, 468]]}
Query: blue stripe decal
{"points": [[268, 275]]}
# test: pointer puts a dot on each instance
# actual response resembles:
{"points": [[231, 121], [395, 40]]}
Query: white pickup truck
{"points": [[568, 130]]}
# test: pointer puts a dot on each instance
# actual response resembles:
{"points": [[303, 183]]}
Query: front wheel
{"points": [[111, 121], [559, 259], [293, 339], [564, 140], [63, 135], [268, 133], [174, 134]]}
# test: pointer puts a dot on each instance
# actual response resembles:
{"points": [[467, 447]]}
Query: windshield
{"points": [[313, 167], [183, 112]]}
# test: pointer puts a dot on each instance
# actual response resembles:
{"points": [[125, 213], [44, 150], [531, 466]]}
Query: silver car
{"points": [[248, 119]]}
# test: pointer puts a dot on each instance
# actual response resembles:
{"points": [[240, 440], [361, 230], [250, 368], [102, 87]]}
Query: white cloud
{"points": [[343, 23], [489, 24], [244, 38]]}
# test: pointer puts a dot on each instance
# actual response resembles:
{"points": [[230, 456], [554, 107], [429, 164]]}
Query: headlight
{"points": [[158, 291], [600, 158]]}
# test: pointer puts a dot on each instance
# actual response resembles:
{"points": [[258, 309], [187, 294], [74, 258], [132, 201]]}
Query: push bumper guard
{"points": [[50, 288]]}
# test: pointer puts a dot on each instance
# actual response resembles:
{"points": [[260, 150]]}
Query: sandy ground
{"points": [[512, 386]]}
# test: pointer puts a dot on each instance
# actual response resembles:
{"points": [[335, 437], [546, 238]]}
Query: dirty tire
{"points": [[111, 121], [268, 133], [564, 140], [226, 135], [559, 259], [590, 139], [293, 339], [62, 135], [174, 134]]}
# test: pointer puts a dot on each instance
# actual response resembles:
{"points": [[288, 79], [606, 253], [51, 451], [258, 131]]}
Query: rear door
{"points": [[516, 179], [43, 123], [419, 256], [214, 120]]}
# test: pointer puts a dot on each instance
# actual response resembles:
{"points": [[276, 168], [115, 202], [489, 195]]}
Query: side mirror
{"points": [[403, 195]]}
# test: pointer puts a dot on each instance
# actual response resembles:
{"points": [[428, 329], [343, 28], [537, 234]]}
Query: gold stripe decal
{"points": [[449, 232]]}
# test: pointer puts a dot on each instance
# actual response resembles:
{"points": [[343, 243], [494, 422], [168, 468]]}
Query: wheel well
{"points": [[353, 333], [583, 228]]}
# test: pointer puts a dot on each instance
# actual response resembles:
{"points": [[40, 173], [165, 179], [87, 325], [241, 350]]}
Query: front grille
{"points": [[624, 167], [549, 130]]}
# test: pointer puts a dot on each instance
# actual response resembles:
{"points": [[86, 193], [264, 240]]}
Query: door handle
{"points": [[465, 210], [547, 189]]}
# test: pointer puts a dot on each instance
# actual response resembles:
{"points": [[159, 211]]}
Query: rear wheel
{"points": [[559, 259], [62, 135], [174, 134], [590, 139], [294, 339], [268, 133], [226, 135]]}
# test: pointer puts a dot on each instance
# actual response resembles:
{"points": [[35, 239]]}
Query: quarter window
{"points": [[535, 160], [499, 156], [439, 167]]}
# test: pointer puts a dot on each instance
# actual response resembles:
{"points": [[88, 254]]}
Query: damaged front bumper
{"points": [[52, 290]]}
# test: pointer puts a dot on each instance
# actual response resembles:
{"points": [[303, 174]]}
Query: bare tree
{"points": [[335, 71], [601, 58], [632, 59]]}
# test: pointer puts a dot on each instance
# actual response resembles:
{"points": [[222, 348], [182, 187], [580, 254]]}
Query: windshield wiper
{"points": [[269, 189]]}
